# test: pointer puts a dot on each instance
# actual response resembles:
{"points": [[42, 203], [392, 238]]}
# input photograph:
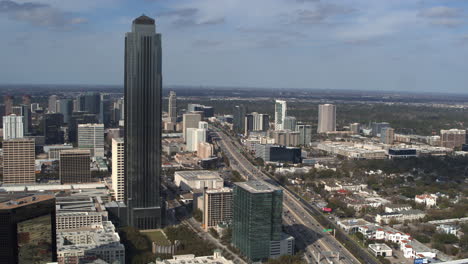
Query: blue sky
{"points": [[409, 45]]}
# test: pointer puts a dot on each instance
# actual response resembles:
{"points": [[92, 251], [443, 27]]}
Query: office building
{"points": [[13, 127], [172, 111], [216, 258], [52, 132], [305, 134], [290, 123], [238, 119], [275, 153], [453, 138], [355, 128], [217, 207], [79, 210], [53, 151], [205, 150], [75, 166], [203, 125], [27, 118], [18, 161], [143, 100], [91, 136], [256, 122], [286, 138], [118, 171], [194, 136], [89, 102], [190, 120], [280, 114], [17, 110], [387, 135], [76, 119], [377, 128], [208, 111], [26, 99], [326, 118], [52, 106], [8, 102], [257, 218], [198, 179], [27, 228], [65, 107]]}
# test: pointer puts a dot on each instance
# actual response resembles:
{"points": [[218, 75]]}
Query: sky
{"points": [[380, 45]]}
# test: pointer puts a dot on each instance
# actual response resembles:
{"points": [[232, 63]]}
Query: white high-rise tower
{"points": [[326, 118], [280, 114]]}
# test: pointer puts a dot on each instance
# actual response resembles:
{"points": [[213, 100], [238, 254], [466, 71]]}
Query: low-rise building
{"points": [[352, 225], [393, 208], [407, 215], [198, 179], [348, 187], [217, 258], [429, 200], [449, 229], [380, 250]]}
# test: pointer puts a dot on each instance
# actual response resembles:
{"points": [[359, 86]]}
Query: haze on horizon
{"points": [[409, 45]]}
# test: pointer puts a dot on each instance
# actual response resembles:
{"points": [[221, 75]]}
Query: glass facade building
{"points": [[257, 211]]}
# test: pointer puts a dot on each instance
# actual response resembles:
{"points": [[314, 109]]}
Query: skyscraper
{"points": [[8, 101], [143, 101], [387, 135], [27, 100], [280, 114], [118, 169], [190, 120], [89, 102], [91, 136], [239, 118], [52, 124], [13, 127], [326, 118], [172, 111], [18, 161], [65, 107], [75, 166], [52, 108], [193, 137], [289, 123], [305, 134]]}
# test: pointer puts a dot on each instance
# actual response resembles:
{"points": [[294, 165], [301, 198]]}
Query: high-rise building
{"points": [[275, 153], [207, 111], [286, 138], [355, 128], [326, 118], [52, 108], [118, 169], [172, 111], [105, 111], [203, 125], [143, 124], [91, 136], [195, 136], [27, 118], [13, 126], [256, 122], [89, 102], [65, 107], [238, 120], [18, 161], [387, 135], [190, 120], [8, 102], [205, 150], [452, 138], [257, 218], [16, 110], [377, 128], [27, 99], [305, 134], [75, 166], [76, 119], [27, 228], [217, 207], [280, 114], [118, 111], [290, 123], [52, 131]]}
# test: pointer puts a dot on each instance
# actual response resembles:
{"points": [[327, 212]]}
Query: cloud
{"points": [[204, 43], [443, 16], [187, 17], [318, 13], [39, 14]]}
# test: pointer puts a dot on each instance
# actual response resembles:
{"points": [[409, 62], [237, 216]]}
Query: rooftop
{"points": [[257, 186], [143, 20], [10, 201], [198, 175], [221, 190]]}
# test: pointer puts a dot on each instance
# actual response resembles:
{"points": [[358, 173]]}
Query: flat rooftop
{"points": [[199, 175], [257, 186], [220, 190], [11, 201]]}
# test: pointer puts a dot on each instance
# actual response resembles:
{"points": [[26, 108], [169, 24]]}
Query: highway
{"points": [[307, 231]]}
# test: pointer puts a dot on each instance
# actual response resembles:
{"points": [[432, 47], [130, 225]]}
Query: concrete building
{"points": [[355, 128], [275, 153], [13, 127], [75, 166], [118, 169], [257, 221], [27, 228], [305, 134], [190, 120], [217, 207], [78, 211], [280, 114], [387, 135], [286, 138], [205, 110], [198, 179], [143, 124], [217, 258], [380, 250], [430, 200], [100, 241], [52, 106], [377, 128], [65, 107], [352, 226], [18, 161], [290, 123], [172, 110], [238, 120], [91, 136], [401, 216], [193, 137], [8, 102], [255, 122], [205, 150], [393, 208], [453, 138], [326, 118]]}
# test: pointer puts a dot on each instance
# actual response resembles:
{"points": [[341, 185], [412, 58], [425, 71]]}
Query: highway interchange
{"points": [[307, 231]]}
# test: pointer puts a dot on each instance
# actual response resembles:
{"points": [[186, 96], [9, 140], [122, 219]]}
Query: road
{"points": [[308, 231]]}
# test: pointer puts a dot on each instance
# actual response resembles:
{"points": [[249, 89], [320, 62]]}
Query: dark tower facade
{"points": [[143, 85]]}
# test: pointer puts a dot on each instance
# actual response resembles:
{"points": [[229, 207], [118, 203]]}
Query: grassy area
{"points": [[158, 237]]}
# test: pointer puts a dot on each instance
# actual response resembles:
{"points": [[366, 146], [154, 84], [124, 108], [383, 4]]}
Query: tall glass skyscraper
{"points": [[256, 218], [143, 100]]}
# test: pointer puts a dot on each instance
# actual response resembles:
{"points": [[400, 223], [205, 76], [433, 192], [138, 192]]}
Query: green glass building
{"points": [[257, 220]]}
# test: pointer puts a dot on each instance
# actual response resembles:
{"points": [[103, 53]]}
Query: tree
{"points": [[198, 215], [214, 233], [444, 238], [295, 259]]}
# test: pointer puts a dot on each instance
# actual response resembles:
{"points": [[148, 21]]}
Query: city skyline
{"points": [[406, 45]]}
